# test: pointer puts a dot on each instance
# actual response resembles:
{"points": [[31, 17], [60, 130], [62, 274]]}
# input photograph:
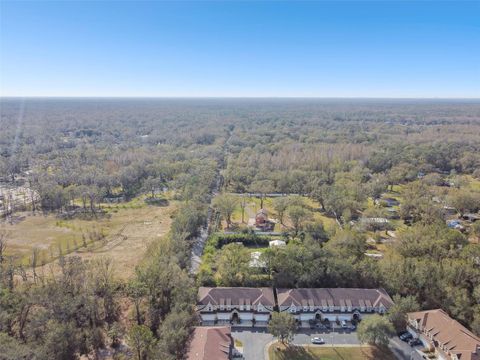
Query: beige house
{"points": [[239, 306], [447, 337], [333, 304]]}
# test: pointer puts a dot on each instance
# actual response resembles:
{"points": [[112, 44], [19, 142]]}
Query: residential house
{"points": [[261, 218], [239, 306], [211, 343], [338, 304], [447, 337], [262, 221]]}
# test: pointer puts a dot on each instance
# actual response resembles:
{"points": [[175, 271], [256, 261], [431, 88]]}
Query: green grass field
{"points": [[279, 352], [253, 206]]}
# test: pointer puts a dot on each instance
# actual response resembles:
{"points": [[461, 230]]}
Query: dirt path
{"points": [[199, 242]]}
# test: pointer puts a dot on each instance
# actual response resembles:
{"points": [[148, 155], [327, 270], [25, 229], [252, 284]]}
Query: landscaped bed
{"points": [[279, 352]]}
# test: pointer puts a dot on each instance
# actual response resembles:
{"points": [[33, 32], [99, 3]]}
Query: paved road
{"points": [[402, 350], [255, 340]]}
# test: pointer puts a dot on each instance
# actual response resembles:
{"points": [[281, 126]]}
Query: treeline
{"points": [[84, 308], [76, 153]]}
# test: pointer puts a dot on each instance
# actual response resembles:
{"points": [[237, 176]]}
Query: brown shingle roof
{"points": [[335, 297], [210, 343], [448, 332], [236, 295]]}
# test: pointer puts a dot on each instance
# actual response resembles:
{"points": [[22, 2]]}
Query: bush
{"points": [[250, 240]]}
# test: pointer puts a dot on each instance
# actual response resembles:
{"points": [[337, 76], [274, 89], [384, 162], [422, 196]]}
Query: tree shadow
{"points": [[378, 352], [292, 352], [157, 202]]}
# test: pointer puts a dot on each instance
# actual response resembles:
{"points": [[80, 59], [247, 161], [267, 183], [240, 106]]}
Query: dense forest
{"points": [[73, 156]]}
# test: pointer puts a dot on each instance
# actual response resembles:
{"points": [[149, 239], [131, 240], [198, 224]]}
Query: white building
{"points": [[274, 243]]}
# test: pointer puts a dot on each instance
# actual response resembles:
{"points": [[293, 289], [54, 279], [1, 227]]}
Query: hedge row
{"points": [[219, 240]]}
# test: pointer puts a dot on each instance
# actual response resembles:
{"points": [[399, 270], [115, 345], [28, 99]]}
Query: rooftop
{"points": [[448, 333], [210, 343], [350, 297], [235, 296]]}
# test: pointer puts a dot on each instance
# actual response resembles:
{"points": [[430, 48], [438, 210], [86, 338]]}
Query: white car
{"points": [[318, 341]]}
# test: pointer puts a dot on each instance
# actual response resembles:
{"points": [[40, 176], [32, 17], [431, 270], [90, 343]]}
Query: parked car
{"points": [[406, 337], [327, 325], [318, 341], [414, 342], [343, 324], [321, 326]]}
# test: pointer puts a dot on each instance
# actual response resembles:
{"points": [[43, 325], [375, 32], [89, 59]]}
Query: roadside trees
{"points": [[298, 215], [280, 205], [398, 312], [282, 326], [225, 204], [375, 330]]}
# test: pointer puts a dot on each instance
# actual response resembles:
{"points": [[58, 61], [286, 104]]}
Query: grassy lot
{"points": [[253, 206], [278, 352], [473, 184], [123, 235]]}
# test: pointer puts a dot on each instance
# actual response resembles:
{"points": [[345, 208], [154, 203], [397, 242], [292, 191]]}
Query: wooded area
{"points": [[344, 160]]}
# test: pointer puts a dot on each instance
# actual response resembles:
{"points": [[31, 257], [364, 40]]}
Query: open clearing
{"points": [[279, 352], [123, 236], [252, 206]]}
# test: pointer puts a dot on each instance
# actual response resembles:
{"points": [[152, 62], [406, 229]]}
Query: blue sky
{"points": [[324, 49]]}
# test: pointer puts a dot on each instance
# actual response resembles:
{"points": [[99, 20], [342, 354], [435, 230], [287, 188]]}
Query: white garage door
{"points": [[306, 317], [208, 317], [262, 317], [246, 316], [224, 316]]}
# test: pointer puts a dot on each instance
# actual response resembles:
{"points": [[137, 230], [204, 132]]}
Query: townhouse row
{"points": [[242, 306]]}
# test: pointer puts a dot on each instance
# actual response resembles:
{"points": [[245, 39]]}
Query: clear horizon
{"points": [[351, 50]]}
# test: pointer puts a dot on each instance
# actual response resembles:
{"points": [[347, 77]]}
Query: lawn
{"points": [[253, 206], [278, 352]]}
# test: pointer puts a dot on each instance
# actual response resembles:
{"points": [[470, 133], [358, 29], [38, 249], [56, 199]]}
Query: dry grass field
{"points": [[123, 235], [279, 352]]}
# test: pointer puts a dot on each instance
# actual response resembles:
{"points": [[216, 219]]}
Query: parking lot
{"points": [[254, 340]]}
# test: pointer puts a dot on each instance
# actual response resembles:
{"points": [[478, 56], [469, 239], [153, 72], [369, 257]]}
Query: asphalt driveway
{"points": [[254, 340], [402, 350]]}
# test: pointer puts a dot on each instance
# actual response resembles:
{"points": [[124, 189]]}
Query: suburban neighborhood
{"points": [[240, 180], [222, 310]]}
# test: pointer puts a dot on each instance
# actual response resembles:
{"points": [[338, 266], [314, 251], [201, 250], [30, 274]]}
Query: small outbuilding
{"points": [[274, 243]]}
